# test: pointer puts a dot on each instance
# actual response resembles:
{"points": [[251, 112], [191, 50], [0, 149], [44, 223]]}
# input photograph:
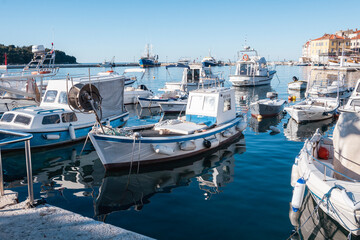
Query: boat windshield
{"points": [[50, 96], [193, 75], [245, 69], [63, 98]]}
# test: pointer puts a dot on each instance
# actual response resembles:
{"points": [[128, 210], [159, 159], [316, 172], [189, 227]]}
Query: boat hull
{"points": [[265, 110], [173, 107], [250, 81], [62, 136], [119, 150], [146, 62], [297, 86], [307, 115], [321, 182], [131, 97]]}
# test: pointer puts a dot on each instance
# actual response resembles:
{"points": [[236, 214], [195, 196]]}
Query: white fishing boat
{"points": [[132, 94], [211, 121], [251, 70], [18, 89], [195, 76], [167, 96], [267, 107], [54, 121], [173, 106], [324, 86], [313, 109], [329, 168], [297, 85], [212, 172]]}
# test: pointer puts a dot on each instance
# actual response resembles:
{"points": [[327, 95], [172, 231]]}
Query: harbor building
{"points": [[331, 46]]}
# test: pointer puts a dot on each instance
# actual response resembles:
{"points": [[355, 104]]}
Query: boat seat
{"points": [[182, 128]]}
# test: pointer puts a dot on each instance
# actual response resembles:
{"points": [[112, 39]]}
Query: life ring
{"points": [[245, 57]]}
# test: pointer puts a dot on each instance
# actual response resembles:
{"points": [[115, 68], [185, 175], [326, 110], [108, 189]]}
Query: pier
{"points": [[46, 221], [32, 219]]}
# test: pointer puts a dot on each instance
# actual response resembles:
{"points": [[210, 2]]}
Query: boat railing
{"points": [[18, 137], [332, 169], [51, 110]]}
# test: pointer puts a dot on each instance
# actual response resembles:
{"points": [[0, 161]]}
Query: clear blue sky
{"points": [[94, 30]]}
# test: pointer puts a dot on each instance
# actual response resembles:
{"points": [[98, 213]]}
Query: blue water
{"points": [[239, 192]]}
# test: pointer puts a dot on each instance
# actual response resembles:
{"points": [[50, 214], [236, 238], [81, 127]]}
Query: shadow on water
{"points": [[316, 225], [120, 190]]}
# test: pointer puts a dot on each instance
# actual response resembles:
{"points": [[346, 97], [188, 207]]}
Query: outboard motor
{"points": [[143, 87]]}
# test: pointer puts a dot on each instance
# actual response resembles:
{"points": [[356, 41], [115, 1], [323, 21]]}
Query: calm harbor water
{"points": [[241, 191]]}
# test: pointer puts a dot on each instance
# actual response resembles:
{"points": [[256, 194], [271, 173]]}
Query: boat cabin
{"points": [[211, 106], [255, 66], [196, 73]]}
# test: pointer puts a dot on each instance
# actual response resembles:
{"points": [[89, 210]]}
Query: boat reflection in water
{"points": [[300, 132], [315, 224], [244, 95], [121, 191], [263, 125], [56, 169]]}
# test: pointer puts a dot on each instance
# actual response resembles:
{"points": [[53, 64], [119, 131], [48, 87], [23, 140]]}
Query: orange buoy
{"points": [[290, 98], [323, 153], [34, 73], [110, 71], [44, 72], [245, 57]]}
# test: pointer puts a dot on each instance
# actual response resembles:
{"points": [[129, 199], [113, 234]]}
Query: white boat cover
{"points": [[346, 139]]}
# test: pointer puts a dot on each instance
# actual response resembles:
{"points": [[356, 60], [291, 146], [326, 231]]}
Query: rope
{"points": [[328, 203]]}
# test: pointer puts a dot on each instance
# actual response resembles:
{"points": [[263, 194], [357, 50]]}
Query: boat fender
{"points": [[162, 149], [187, 145], [294, 217], [72, 132], [51, 136], [211, 142], [323, 153], [298, 194], [349, 200], [108, 122], [227, 133], [295, 175]]}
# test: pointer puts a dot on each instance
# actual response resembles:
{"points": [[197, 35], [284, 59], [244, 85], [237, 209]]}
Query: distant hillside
{"points": [[23, 55]]}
